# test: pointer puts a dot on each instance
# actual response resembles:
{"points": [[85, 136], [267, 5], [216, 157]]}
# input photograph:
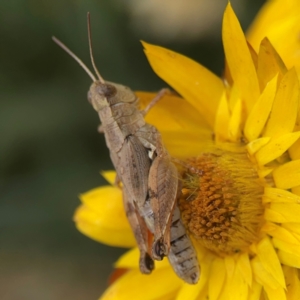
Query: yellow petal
{"points": [[134, 285], [287, 175], [239, 59], [201, 88], [222, 119], [110, 176], [298, 119], [227, 76], [103, 211], [243, 264], [199, 290], [190, 292], [286, 212], [296, 190], [289, 259], [216, 278], [234, 96], [172, 113], [130, 260], [230, 266], [273, 216], [269, 64], [276, 294], [294, 151], [184, 133], [269, 260], [287, 247], [238, 286], [255, 291], [107, 203], [255, 145], [292, 282], [293, 227], [253, 248], [276, 147], [275, 20], [269, 14], [264, 172], [260, 112], [226, 291], [235, 122], [278, 195], [263, 276], [285, 108], [182, 144], [254, 55], [89, 223], [280, 233]]}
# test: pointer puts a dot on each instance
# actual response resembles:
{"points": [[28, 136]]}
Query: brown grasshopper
{"points": [[150, 179]]}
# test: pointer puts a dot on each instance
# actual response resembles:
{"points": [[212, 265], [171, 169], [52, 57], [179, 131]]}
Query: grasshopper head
{"points": [[103, 94], [100, 93]]}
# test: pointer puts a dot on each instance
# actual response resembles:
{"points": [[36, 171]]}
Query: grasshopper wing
{"points": [[133, 169], [163, 192]]}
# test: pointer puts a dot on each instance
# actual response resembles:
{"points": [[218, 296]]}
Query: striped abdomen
{"points": [[182, 255]]}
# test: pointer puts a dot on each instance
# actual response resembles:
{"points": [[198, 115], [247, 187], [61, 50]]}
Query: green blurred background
{"points": [[50, 149]]}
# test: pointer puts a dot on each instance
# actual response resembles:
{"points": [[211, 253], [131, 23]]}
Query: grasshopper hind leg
{"points": [[140, 232]]}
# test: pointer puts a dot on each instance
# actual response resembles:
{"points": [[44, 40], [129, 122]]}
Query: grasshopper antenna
{"points": [[81, 63], [91, 49]]}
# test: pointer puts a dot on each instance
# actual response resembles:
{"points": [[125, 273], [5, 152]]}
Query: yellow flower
{"points": [[243, 211]]}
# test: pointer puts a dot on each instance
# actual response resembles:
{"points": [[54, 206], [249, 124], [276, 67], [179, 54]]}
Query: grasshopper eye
{"points": [[106, 90]]}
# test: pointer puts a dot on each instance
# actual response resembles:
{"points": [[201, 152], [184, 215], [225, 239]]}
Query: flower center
{"points": [[221, 203]]}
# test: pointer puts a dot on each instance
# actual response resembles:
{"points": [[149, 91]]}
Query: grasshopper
{"points": [[150, 180]]}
